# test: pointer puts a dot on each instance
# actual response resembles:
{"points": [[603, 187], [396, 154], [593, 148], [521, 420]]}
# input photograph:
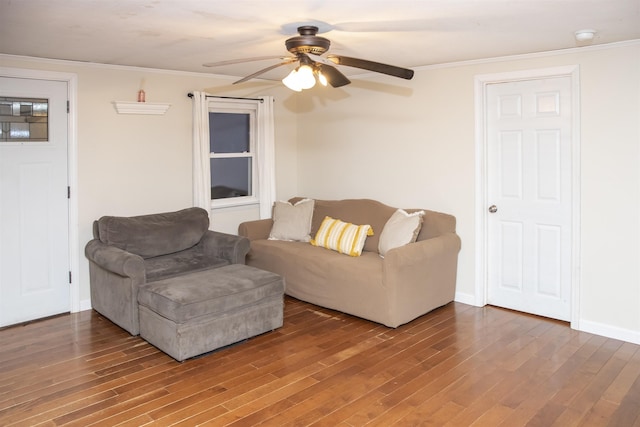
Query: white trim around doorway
{"points": [[481, 82], [72, 157]]}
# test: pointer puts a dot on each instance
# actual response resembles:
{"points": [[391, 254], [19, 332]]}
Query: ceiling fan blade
{"points": [[334, 76], [264, 70], [392, 70], [240, 61]]}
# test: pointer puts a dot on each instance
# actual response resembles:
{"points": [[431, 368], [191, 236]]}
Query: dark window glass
{"points": [[230, 177], [229, 133]]}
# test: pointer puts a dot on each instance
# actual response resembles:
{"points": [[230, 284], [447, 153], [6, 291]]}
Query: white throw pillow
{"points": [[292, 222], [401, 229]]}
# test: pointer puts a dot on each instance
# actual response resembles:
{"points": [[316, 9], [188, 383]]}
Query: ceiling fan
{"points": [[307, 48]]}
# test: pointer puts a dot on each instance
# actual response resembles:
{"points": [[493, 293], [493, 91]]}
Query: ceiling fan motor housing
{"points": [[307, 41]]}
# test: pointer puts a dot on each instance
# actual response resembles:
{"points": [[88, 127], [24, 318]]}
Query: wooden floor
{"points": [[457, 366]]}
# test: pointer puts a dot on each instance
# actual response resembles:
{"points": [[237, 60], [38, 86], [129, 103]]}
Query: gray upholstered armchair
{"points": [[129, 251]]}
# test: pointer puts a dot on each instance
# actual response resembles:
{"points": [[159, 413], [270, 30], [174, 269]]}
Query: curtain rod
{"points": [[190, 95]]}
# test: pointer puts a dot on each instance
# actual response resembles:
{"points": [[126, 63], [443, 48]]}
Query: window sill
{"points": [[234, 202]]}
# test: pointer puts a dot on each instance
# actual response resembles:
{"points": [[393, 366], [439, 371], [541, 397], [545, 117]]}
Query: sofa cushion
{"points": [[292, 222], [401, 229], [179, 263], [343, 237], [209, 292], [155, 234]]}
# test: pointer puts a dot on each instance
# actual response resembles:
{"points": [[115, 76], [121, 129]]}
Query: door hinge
{"points": [[68, 107], [68, 192], [70, 277]]}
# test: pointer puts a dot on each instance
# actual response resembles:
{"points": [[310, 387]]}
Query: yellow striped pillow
{"points": [[343, 237]]}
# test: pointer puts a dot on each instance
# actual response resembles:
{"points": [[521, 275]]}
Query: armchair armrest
{"points": [[116, 260], [256, 230], [226, 246], [115, 276]]}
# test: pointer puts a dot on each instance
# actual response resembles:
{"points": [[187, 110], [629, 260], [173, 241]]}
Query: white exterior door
{"points": [[529, 193], [34, 207]]}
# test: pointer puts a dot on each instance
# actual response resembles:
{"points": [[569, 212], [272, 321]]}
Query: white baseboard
{"points": [[464, 298], [85, 304], [609, 331]]}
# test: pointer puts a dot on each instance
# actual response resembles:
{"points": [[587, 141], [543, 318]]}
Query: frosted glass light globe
{"points": [[305, 77], [291, 81]]}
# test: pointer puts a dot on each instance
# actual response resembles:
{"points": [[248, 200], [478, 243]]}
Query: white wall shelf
{"points": [[123, 107]]}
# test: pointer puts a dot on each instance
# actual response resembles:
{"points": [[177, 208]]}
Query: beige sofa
{"points": [[408, 282]]}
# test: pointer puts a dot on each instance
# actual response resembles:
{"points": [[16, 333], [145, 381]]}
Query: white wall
{"points": [[138, 164], [408, 144], [411, 144]]}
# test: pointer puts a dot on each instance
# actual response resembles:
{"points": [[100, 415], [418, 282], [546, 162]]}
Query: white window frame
{"points": [[265, 189], [234, 106]]}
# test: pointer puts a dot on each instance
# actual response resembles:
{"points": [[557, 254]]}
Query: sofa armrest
{"points": [[256, 230], [116, 260], [422, 274], [226, 246]]}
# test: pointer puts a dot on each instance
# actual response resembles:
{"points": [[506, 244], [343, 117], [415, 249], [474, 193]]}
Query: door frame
{"points": [[72, 168], [481, 190]]}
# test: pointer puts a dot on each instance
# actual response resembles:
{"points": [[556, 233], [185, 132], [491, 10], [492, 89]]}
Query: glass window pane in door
{"points": [[24, 119]]}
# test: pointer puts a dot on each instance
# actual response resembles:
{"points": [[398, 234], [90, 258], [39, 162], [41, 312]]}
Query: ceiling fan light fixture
{"points": [[291, 81], [321, 78], [301, 78], [305, 77]]}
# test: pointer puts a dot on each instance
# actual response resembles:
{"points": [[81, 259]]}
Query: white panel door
{"points": [[34, 208], [529, 193]]}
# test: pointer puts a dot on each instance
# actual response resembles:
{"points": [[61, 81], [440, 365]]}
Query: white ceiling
{"points": [[184, 34]]}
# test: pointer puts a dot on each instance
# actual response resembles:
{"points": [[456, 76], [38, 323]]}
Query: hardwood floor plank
{"points": [[101, 410], [140, 421], [457, 366], [487, 402], [145, 408], [562, 386], [493, 417], [621, 385], [599, 415], [386, 363], [428, 376], [628, 413], [511, 381], [202, 419], [584, 402]]}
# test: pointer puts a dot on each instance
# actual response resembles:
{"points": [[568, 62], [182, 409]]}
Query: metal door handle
{"points": [[493, 209]]}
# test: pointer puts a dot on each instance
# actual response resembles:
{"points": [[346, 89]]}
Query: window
{"points": [[24, 120], [233, 152]]}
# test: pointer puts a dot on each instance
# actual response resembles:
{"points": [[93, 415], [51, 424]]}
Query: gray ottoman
{"points": [[188, 315]]}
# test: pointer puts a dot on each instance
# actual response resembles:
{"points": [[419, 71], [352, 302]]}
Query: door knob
{"points": [[493, 209]]}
